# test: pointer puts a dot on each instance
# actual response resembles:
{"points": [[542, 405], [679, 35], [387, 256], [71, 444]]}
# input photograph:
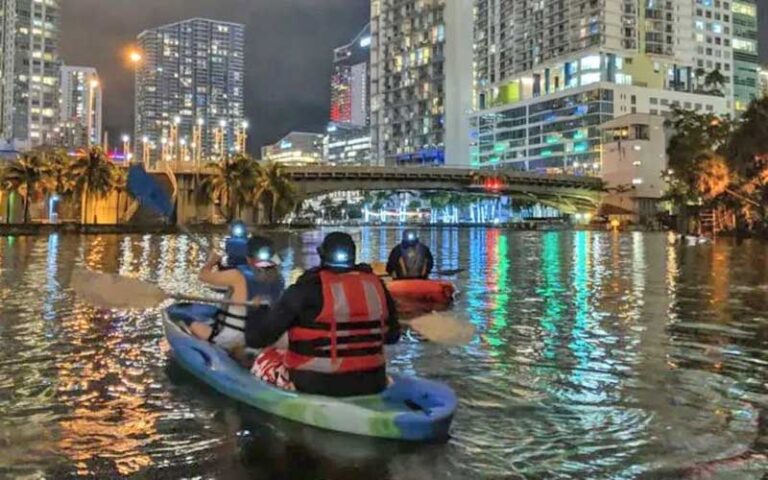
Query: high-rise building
{"points": [[350, 95], [348, 139], [29, 71], [80, 107], [726, 42], [549, 73], [764, 81], [189, 89], [296, 148], [421, 81]]}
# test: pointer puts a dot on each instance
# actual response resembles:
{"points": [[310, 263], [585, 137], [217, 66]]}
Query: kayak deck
{"points": [[410, 409]]}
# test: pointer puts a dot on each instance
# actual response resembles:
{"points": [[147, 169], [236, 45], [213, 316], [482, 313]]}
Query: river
{"points": [[598, 356]]}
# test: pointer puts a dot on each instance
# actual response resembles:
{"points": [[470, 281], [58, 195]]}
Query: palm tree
{"points": [[713, 82], [24, 176], [275, 190], [59, 180], [230, 184], [93, 177]]}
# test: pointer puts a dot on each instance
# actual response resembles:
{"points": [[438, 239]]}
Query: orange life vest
{"points": [[348, 334]]}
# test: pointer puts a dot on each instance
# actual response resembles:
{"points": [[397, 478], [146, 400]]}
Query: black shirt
{"points": [[299, 306]]}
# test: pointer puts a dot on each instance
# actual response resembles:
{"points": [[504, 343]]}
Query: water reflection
{"points": [[598, 355]]}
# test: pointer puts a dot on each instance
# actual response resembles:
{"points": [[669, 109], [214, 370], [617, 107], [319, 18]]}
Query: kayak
{"points": [[417, 297], [410, 409]]}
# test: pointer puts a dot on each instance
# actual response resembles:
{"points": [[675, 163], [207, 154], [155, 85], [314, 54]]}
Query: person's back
{"points": [[258, 279], [338, 318], [410, 259]]}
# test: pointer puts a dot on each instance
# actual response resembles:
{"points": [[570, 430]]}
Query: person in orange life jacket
{"points": [[410, 259], [338, 317], [258, 280]]}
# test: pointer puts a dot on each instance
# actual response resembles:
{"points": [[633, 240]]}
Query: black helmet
{"points": [[410, 237], [238, 229], [261, 249], [338, 250]]}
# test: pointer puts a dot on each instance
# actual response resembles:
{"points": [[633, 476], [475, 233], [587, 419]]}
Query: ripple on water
{"points": [[598, 356]]}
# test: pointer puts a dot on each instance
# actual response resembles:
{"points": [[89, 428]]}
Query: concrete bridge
{"points": [[570, 194]]}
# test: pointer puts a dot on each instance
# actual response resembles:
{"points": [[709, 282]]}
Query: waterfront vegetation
{"points": [[77, 182], [719, 167]]}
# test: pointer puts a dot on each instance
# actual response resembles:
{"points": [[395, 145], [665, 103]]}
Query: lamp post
{"points": [[164, 154], [242, 137], [145, 151], [135, 59], [220, 134], [174, 140], [127, 147], [197, 142]]}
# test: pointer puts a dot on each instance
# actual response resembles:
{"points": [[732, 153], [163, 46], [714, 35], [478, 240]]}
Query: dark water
{"points": [[598, 356]]}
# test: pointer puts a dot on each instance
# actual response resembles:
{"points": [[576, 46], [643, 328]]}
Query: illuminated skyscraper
{"points": [[348, 139], [421, 81], [350, 95], [191, 76], [29, 72], [80, 107]]}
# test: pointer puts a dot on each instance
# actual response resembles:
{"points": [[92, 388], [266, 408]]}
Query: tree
{"points": [[275, 190], [712, 176], [25, 176], [714, 82], [93, 172], [748, 146], [694, 135], [230, 184]]}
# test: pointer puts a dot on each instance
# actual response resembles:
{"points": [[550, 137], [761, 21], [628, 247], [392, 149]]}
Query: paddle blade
{"points": [[443, 328], [114, 291], [147, 190]]}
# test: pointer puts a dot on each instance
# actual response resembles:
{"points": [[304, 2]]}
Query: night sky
{"points": [[289, 51], [289, 46]]}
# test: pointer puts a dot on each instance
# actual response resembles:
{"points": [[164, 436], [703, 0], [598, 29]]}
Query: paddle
{"points": [[116, 291], [146, 189]]}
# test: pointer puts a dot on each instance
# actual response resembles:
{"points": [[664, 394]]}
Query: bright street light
{"points": [[94, 83], [200, 122], [177, 119], [222, 123], [126, 138], [245, 124], [144, 139], [135, 56]]}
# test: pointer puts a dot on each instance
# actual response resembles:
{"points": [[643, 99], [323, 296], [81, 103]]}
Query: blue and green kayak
{"points": [[411, 409]]}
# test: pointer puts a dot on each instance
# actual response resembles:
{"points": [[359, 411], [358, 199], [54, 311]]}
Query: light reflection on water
{"points": [[598, 355]]}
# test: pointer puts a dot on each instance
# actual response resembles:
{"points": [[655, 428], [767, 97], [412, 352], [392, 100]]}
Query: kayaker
{"points": [[258, 279], [235, 246], [338, 317], [411, 259]]}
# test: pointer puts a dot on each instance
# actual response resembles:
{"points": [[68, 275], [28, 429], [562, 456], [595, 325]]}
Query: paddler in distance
{"points": [[410, 259], [338, 317], [258, 279]]}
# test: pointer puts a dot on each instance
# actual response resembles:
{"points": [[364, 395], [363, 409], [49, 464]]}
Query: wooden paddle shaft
{"points": [[193, 299]]}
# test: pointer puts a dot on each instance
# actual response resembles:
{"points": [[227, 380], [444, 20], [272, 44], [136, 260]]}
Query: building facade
{"points": [[296, 149], [189, 89], [545, 83], [726, 39], [29, 72], [350, 82], [80, 108], [421, 81], [348, 136], [764, 81]]}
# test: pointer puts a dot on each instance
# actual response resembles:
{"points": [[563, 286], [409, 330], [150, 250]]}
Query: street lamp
{"points": [[197, 141], [126, 146], [219, 135], [242, 137]]}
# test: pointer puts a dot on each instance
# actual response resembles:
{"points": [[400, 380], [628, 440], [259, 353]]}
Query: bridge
{"points": [[570, 194]]}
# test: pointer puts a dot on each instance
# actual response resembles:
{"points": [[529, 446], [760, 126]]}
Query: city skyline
{"points": [[274, 110], [289, 53]]}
